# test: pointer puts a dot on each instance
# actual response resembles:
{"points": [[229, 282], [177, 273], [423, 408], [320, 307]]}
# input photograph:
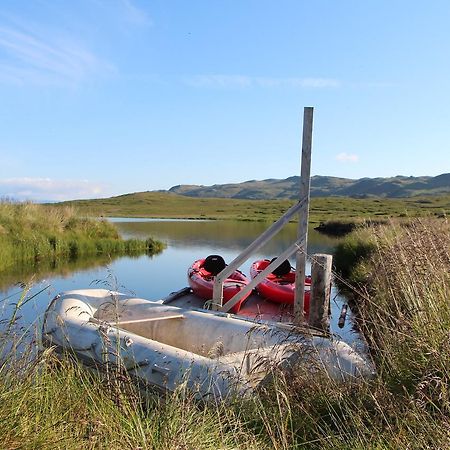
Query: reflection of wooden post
{"points": [[319, 304], [302, 232]]}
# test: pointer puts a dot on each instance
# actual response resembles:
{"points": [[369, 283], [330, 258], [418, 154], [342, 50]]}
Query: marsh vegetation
{"points": [[401, 284], [322, 209], [36, 238]]}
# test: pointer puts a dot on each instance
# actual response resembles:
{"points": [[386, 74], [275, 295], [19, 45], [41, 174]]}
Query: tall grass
{"points": [[56, 403], [31, 234], [405, 314]]}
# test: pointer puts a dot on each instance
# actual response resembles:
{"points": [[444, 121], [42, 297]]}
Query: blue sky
{"points": [[105, 97]]}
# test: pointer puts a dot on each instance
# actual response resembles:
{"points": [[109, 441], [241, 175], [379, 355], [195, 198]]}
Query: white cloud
{"points": [[347, 157], [30, 54], [47, 189], [244, 81]]}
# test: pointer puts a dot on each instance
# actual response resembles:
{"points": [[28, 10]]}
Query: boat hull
{"points": [[202, 284], [213, 354], [279, 289]]}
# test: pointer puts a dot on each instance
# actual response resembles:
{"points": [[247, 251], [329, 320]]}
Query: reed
{"points": [[32, 234], [404, 312], [406, 317], [56, 403]]}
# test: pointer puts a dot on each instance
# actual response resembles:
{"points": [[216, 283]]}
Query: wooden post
{"points": [[302, 232], [319, 305]]}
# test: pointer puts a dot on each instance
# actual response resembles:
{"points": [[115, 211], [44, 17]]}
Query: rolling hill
{"points": [[322, 186]]}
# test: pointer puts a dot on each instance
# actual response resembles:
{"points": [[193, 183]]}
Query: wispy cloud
{"points": [[30, 54], [47, 189], [134, 14], [244, 81], [375, 84], [347, 157], [298, 82], [218, 81]]}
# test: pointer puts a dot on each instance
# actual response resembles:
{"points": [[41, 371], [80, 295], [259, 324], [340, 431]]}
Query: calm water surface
{"points": [[155, 277]]}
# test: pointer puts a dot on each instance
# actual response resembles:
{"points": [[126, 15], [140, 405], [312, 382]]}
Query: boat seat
{"points": [[151, 319], [148, 316]]}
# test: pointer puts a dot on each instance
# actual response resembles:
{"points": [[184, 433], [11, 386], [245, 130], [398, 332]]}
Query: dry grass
{"points": [[405, 314], [407, 317]]}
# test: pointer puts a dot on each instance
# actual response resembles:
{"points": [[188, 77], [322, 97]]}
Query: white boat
{"points": [[214, 353]]}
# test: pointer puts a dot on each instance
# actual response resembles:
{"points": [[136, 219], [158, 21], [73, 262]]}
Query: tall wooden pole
{"points": [[303, 215]]}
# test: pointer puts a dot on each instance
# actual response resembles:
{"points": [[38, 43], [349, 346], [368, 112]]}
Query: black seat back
{"points": [[283, 269], [214, 264]]}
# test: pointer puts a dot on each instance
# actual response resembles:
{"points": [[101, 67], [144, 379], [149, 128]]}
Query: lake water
{"points": [[155, 277]]}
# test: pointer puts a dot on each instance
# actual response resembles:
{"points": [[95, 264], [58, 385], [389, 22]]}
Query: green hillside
{"points": [[322, 186], [170, 205]]}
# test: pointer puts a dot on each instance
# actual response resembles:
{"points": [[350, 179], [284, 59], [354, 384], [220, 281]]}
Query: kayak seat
{"points": [[214, 264], [283, 269]]}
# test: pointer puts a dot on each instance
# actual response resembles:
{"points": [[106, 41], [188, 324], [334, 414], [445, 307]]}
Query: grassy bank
{"points": [[34, 235], [402, 275], [404, 306], [168, 205]]}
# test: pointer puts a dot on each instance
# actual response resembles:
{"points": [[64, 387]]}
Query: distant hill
{"points": [[322, 186]]}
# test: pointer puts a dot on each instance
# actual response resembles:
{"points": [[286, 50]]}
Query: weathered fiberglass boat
{"points": [[279, 285], [214, 353]]}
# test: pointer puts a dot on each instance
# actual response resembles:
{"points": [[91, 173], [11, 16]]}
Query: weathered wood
{"points": [[319, 306], [302, 232]]}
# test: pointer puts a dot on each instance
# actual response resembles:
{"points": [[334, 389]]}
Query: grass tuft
{"points": [[37, 237]]}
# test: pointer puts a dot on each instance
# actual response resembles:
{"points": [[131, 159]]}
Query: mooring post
{"points": [[319, 304], [302, 232]]}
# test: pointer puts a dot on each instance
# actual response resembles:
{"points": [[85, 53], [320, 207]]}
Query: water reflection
{"points": [[24, 275], [215, 233]]}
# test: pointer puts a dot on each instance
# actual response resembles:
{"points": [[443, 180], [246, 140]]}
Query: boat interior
{"points": [[184, 326]]}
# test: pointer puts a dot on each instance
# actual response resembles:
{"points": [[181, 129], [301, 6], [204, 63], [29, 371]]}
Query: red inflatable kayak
{"points": [[201, 280], [279, 286]]}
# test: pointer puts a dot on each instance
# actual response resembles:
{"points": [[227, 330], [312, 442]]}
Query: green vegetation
{"points": [[351, 252], [401, 272], [404, 311], [169, 205], [35, 237]]}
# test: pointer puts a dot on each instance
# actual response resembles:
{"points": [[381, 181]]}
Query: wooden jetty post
{"points": [[302, 232], [319, 304]]}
